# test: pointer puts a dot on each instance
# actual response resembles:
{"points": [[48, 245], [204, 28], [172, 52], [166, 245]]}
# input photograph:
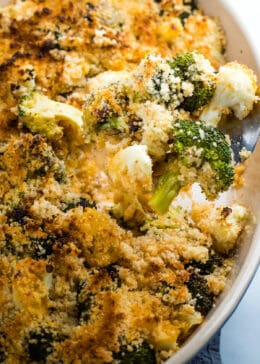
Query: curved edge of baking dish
{"points": [[240, 47]]}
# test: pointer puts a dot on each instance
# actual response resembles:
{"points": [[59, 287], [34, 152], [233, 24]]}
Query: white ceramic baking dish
{"points": [[240, 47]]}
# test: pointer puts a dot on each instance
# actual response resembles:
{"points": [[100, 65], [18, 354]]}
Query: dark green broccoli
{"points": [[141, 354], [201, 96], [185, 67], [41, 159], [112, 271], [198, 287], [40, 344], [183, 16], [199, 154], [215, 260], [181, 64], [36, 158], [106, 110], [41, 248], [7, 247], [85, 304], [18, 215], [191, 3], [38, 248]]}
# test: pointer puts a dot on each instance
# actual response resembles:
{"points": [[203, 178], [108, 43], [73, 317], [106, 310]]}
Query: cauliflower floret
{"points": [[156, 126], [224, 224], [131, 170], [105, 79], [131, 173], [165, 336], [235, 90], [105, 111]]}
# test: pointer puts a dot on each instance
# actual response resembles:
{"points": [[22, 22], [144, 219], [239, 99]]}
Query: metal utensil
{"points": [[243, 133]]}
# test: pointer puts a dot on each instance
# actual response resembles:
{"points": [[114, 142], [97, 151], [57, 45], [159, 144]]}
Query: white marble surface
{"points": [[240, 337]]}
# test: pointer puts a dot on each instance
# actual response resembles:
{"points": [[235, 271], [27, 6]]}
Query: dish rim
{"points": [[238, 288]]}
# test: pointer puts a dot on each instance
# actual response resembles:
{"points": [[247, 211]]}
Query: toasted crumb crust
{"points": [[44, 39], [77, 285]]}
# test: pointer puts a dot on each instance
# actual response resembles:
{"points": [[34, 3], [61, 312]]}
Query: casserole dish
{"points": [[240, 47], [242, 257]]}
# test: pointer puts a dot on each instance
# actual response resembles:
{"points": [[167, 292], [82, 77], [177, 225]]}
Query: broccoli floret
{"points": [[167, 187], [154, 79], [36, 157], [200, 97], [45, 116], [8, 247], [198, 287], [38, 249], [41, 248], [183, 16], [141, 354], [113, 273], [196, 70], [85, 300], [40, 344], [199, 154], [186, 82], [215, 260], [18, 214], [181, 64], [106, 110], [84, 306], [130, 171]]}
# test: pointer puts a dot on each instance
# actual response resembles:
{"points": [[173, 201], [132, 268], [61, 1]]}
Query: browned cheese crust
{"points": [[63, 43], [77, 286]]}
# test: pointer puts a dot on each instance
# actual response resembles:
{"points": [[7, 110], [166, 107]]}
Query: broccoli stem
{"points": [[166, 189]]}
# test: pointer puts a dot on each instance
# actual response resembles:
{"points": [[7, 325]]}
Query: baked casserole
{"points": [[109, 112]]}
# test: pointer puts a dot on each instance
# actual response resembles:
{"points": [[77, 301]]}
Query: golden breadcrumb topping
{"points": [[80, 281], [63, 43]]}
